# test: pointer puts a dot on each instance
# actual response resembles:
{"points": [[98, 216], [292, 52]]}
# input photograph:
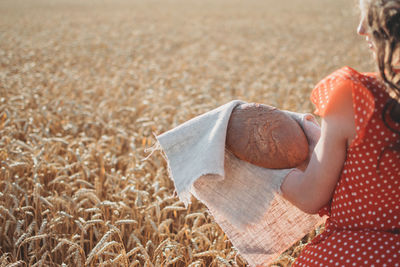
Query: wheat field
{"points": [[85, 86]]}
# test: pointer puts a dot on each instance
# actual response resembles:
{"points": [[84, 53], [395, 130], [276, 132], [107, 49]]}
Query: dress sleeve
{"points": [[325, 210], [363, 99]]}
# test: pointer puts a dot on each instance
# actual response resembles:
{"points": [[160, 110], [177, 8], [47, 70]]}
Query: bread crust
{"points": [[266, 136]]}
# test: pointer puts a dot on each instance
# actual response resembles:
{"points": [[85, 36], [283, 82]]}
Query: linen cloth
{"points": [[244, 199]]}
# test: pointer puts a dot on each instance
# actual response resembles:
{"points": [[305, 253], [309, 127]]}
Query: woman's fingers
{"points": [[311, 129], [309, 124]]}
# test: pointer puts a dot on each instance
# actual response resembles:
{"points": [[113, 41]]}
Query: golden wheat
{"points": [[86, 85]]}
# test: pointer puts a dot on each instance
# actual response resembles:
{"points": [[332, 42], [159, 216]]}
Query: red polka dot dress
{"points": [[363, 222]]}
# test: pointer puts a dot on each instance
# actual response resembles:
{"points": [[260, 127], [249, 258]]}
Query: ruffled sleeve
{"points": [[363, 99]]}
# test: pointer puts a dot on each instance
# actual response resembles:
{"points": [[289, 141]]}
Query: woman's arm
{"points": [[312, 189]]}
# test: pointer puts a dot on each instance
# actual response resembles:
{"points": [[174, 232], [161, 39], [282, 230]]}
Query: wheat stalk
{"points": [[133, 251], [7, 212], [99, 246], [210, 253], [18, 263], [126, 221], [164, 226], [223, 261], [197, 263], [4, 259]]}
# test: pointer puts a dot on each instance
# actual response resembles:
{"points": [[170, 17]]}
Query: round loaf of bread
{"points": [[266, 136]]}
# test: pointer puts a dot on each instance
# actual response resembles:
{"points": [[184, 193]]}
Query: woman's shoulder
{"points": [[347, 82], [349, 73], [343, 79]]}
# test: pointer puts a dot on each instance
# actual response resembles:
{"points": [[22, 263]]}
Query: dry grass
{"points": [[85, 84]]}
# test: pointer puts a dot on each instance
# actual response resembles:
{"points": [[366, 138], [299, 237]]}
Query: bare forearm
{"points": [[312, 189], [301, 192]]}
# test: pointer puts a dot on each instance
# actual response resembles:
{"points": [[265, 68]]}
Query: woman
{"points": [[354, 172]]}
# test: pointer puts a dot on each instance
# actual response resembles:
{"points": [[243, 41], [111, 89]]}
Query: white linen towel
{"points": [[243, 198]]}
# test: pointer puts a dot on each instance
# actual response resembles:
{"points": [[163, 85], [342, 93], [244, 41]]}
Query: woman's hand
{"points": [[311, 129]]}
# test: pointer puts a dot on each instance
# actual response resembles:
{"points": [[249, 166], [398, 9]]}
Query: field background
{"points": [[84, 85]]}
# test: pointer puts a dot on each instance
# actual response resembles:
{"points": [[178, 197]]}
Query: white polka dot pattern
{"points": [[364, 213]]}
